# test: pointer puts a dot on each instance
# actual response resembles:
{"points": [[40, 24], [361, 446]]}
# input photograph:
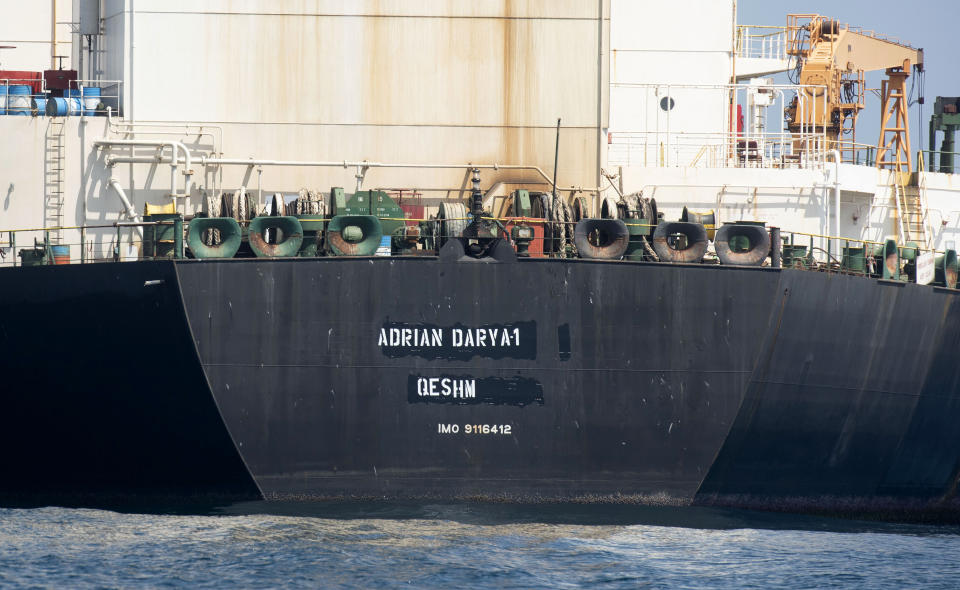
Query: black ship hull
{"points": [[539, 380]]}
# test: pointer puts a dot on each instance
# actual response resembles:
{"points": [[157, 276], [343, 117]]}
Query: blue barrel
{"points": [[58, 107], [74, 93], [39, 106], [3, 99], [18, 99], [63, 107], [91, 100]]}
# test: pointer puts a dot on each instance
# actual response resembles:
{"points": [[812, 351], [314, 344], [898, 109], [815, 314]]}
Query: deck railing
{"points": [[551, 239], [761, 41], [82, 98], [679, 125]]}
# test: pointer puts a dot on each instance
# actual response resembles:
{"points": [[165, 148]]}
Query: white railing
{"points": [[698, 126], [715, 150], [84, 98], [764, 42]]}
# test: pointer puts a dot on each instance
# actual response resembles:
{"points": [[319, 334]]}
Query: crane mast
{"points": [[831, 61]]}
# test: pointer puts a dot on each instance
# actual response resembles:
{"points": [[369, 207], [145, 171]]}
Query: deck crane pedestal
{"points": [[831, 61]]}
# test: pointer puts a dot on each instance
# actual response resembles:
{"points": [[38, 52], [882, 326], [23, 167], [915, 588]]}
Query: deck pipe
{"points": [[174, 159], [128, 207]]}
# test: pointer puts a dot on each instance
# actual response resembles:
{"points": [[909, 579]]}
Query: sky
{"points": [[933, 25]]}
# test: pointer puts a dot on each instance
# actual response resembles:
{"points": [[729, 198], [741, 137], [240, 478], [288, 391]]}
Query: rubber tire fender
{"points": [[696, 241], [759, 239]]}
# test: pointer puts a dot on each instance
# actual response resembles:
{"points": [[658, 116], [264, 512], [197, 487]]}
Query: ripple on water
{"points": [[444, 547]]}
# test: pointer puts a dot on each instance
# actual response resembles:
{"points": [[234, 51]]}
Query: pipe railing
{"points": [[803, 250], [80, 103]]}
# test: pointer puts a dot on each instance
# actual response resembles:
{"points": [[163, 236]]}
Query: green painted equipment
{"points": [[229, 237], [353, 235], [795, 256], [945, 118], [164, 240], [312, 232], [888, 259], [338, 201], [908, 255], [521, 203], [35, 256], [522, 234], [946, 270], [910, 251], [404, 240], [380, 205], [854, 260], [289, 236], [638, 230]]}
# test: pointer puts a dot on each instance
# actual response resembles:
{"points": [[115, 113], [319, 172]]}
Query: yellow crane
{"points": [[832, 59]]}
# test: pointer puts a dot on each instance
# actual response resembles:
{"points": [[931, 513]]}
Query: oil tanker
{"points": [[685, 309], [486, 376]]}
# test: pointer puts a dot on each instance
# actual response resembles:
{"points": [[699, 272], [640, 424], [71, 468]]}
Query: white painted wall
{"points": [[683, 42], [29, 26], [427, 81]]}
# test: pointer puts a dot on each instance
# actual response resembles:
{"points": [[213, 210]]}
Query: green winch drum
{"points": [[230, 237], [287, 243], [854, 260], [353, 235], [795, 256]]}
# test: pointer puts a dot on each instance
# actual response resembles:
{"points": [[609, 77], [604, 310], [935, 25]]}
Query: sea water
{"points": [[263, 545]]}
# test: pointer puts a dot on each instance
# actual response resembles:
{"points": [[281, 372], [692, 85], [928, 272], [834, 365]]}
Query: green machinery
{"points": [[884, 259], [945, 118], [393, 226], [522, 206], [164, 240], [310, 234], [378, 204]]}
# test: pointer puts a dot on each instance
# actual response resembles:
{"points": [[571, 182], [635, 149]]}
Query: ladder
{"points": [[53, 179], [913, 226]]}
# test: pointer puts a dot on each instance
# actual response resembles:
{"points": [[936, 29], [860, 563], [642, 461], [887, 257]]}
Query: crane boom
{"points": [[832, 59], [858, 51]]}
